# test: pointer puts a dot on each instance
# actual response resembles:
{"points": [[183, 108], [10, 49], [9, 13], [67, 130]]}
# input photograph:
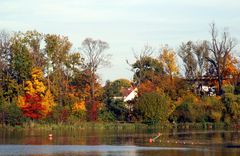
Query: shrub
{"points": [[154, 107], [118, 109], [232, 104], [214, 108], [59, 114], [105, 115], [14, 115], [187, 109], [228, 99]]}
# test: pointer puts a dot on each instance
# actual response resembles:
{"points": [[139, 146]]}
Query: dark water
{"points": [[119, 143]]}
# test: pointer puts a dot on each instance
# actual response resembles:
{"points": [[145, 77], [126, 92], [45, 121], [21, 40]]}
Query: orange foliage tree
{"points": [[37, 100], [231, 71], [81, 89], [147, 87]]}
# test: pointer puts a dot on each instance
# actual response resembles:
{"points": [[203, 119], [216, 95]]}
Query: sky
{"points": [[127, 25]]}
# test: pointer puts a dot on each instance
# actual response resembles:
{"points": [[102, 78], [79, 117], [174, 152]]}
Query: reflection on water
{"points": [[119, 142]]}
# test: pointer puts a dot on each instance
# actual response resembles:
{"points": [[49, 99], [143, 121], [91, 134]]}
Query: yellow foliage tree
{"points": [[36, 90], [48, 102], [79, 109], [79, 106], [168, 59]]}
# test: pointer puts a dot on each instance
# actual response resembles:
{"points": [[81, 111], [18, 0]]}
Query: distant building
{"points": [[127, 94], [207, 90], [130, 94]]}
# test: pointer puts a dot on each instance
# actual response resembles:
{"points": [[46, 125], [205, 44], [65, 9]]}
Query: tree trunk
{"points": [[92, 96], [220, 85]]}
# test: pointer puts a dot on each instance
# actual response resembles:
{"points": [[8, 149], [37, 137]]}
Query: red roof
{"points": [[126, 91]]}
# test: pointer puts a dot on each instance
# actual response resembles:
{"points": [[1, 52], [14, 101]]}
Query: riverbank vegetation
{"points": [[44, 81]]}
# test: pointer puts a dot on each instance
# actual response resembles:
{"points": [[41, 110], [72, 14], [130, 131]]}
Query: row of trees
{"points": [[165, 96], [43, 79]]}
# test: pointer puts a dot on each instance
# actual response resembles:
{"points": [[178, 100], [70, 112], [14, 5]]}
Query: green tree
{"points": [[119, 84], [116, 107], [57, 49], [20, 58], [231, 102], [34, 41], [147, 68]]}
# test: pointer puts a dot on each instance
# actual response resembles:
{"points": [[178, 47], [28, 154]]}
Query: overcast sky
{"points": [[124, 24]]}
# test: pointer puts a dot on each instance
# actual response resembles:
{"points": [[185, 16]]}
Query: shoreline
{"points": [[120, 126]]}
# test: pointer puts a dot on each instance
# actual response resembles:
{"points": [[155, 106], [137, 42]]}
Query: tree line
{"points": [[43, 79]]}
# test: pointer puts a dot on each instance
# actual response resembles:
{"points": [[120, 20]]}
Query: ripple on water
{"points": [[51, 149]]}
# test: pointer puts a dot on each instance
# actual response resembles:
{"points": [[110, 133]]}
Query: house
{"points": [[129, 94], [206, 90]]}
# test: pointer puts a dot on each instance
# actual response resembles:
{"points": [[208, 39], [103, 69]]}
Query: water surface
{"points": [[119, 143]]}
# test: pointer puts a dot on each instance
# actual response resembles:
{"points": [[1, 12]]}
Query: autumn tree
{"points": [[37, 101], [95, 58], [220, 49], [148, 86], [151, 75], [168, 59]]}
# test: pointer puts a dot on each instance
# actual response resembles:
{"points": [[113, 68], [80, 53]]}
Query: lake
{"points": [[119, 142]]}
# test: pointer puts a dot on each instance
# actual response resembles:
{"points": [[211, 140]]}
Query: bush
{"points": [[187, 109], [118, 109], [154, 107], [105, 115], [228, 99], [232, 104], [14, 115], [214, 107], [59, 114]]}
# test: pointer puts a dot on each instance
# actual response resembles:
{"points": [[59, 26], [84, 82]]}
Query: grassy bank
{"points": [[120, 126], [80, 126]]}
